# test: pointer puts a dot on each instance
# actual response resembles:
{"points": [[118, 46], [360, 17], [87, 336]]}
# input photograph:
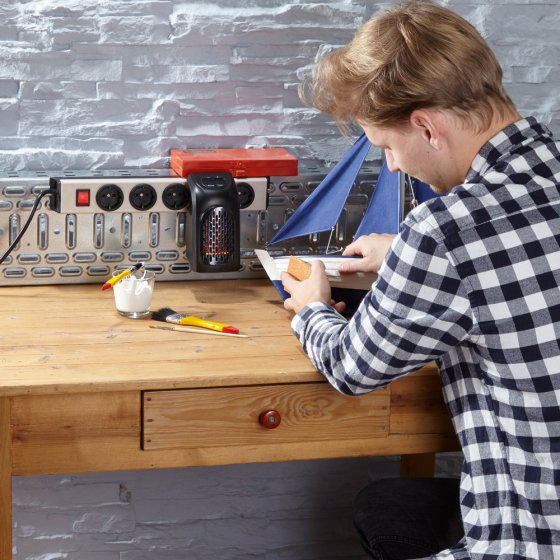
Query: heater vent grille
{"points": [[218, 233]]}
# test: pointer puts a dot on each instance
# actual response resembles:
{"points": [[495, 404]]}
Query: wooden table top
{"points": [[70, 338]]}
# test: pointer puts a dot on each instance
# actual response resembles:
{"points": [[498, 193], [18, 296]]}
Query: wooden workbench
{"points": [[84, 389]]}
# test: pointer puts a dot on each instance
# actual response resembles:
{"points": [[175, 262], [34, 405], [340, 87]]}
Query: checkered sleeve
{"points": [[417, 310]]}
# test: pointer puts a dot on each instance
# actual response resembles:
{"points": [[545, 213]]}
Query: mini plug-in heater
{"points": [[213, 213]]}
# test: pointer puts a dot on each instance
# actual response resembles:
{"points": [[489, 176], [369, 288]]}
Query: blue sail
{"points": [[322, 209], [383, 213]]}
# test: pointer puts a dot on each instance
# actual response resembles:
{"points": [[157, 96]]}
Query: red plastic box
{"points": [[240, 162]]}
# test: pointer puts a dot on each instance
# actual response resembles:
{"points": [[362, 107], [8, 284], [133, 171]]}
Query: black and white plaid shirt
{"points": [[473, 282]]}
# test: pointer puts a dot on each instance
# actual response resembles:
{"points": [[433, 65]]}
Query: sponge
{"points": [[299, 269]]}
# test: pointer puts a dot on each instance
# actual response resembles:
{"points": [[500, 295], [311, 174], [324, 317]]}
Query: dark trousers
{"points": [[408, 518]]}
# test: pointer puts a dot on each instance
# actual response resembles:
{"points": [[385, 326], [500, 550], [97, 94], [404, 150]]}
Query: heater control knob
{"points": [[270, 419]]}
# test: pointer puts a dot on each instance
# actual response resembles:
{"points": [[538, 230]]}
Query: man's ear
{"points": [[427, 123]]}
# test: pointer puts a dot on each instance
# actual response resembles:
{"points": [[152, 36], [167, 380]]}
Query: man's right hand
{"points": [[372, 248]]}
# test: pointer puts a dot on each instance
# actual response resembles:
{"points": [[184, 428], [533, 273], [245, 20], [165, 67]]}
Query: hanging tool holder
{"points": [[101, 221]]}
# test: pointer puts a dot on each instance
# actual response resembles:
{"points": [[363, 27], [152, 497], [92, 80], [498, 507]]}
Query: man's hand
{"points": [[315, 288], [372, 248]]}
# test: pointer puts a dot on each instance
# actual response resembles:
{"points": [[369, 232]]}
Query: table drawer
{"points": [[235, 416]]}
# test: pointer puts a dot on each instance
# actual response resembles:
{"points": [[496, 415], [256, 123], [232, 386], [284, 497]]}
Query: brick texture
{"points": [[88, 84]]}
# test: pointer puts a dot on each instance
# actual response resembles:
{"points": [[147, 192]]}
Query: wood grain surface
{"points": [[69, 338], [83, 389]]}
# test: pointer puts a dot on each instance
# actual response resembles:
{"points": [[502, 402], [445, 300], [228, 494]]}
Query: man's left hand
{"points": [[315, 288]]}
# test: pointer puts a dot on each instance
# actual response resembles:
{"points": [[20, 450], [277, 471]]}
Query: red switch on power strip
{"points": [[82, 197]]}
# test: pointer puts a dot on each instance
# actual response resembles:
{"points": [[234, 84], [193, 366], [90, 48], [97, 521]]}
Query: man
{"points": [[472, 281]]}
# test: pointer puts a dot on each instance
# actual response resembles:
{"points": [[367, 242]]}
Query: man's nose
{"points": [[393, 167]]}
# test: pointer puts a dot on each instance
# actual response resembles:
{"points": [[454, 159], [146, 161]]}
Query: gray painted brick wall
{"points": [[88, 84]]}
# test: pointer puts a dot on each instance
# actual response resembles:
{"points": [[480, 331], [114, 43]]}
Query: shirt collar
{"points": [[512, 136]]}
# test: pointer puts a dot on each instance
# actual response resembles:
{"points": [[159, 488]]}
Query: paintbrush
{"points": [[167, 315], [195, 330], [127, 272]]}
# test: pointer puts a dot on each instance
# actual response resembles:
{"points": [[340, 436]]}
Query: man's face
{"points": [[407, 150]]}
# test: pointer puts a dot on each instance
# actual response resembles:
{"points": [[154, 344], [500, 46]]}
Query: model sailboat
{"points": [[322, 209]]}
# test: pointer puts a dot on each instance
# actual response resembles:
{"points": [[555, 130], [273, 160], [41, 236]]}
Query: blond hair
{"points": [[415, 55]]}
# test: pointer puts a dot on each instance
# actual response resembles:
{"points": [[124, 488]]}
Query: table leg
{"points": [[419, 464], [5, 480]]}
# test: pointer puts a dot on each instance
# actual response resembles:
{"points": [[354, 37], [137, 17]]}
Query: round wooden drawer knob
{"points": [[270, 419]]}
